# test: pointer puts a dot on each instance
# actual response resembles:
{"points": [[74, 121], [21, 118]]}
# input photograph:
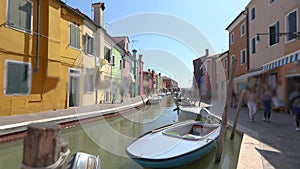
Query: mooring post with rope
{"points": [[237, 114], [224, 115], [43, 147]]}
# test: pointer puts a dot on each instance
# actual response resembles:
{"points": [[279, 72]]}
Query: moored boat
{"points": [[175, 145], [154, 100], [81, 160]]}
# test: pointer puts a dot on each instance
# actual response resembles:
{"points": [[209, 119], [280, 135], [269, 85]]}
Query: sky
{"points": [[169, 33]]}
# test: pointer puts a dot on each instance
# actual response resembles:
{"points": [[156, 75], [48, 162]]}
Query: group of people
{"points": [[253, 98]]}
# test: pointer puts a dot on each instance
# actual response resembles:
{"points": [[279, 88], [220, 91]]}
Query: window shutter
{"points": [[72, 35], [85, 43], [277, 31], [93, 46], [77, 37]]}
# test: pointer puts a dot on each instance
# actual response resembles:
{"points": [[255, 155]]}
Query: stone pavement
{"points": [[268, 145]]}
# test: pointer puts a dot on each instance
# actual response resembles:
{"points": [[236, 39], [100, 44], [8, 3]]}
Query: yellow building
{"points": [[41, 57]]}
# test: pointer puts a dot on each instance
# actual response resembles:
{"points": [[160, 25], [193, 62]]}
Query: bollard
{"points": [[43, 146]]}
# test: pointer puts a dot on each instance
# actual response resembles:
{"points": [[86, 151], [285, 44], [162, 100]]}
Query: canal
{"points": [[109, 138]]}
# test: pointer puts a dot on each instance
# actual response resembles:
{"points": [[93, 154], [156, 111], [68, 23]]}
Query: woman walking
{"points": [[267, 96], [251, 102]]}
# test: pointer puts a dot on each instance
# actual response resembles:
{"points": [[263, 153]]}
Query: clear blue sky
{"points": [[209, 18]]}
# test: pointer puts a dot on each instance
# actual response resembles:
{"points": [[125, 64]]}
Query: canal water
{"points": [[109, 138]]}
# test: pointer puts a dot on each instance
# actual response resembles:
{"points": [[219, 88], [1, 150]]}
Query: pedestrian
{"points": [[296, 111], [251, 102], [295, 93], [266, 98]]}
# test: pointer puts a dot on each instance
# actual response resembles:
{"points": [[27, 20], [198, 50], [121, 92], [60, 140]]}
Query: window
{"points": [[124, 63], [242, 29], [252, 13], [90, 81], [89, 45], [232, 58], [19, 15], [113, 61], [232, 38], [107, 54], [18, 78], [225, 63], [243, 56], [121, 64], [74, 36], [253, 45], [291, 25], [273, 34]]}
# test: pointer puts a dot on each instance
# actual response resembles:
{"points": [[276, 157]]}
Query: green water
{"points": [[109, 138]]}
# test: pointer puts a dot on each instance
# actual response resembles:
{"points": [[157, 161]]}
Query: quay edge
{"points": [[16, 124]]}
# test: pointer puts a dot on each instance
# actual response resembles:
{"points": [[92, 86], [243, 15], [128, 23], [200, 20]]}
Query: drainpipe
{"points": [[37, 37], [247, 34]]}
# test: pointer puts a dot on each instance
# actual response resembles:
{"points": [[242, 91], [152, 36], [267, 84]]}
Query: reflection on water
{"points": [[109, 138]]}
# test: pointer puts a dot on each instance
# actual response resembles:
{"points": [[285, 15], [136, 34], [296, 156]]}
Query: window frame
{"points": [[90, 77], [241, 54], [87, 42], [287, 40], [253, 38], [271, 2], [29, 76], [107, 49], [76, 26], [225, 63], [232, 38], [252, 17], [18, 28], [243, 30], [276, 34]]}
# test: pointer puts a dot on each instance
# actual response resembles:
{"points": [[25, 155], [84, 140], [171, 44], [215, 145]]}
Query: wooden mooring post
{"points": [[43, 147], [225, 114], [237, 114]]}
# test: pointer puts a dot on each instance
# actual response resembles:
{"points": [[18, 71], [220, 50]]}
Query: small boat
{"points": [[154, 100], [194, 112], [174, 145], [82, 160]]}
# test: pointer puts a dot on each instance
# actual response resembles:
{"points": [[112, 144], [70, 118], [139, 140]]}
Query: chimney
{"points": [[99, 13], [134, 53], [206, 52]]}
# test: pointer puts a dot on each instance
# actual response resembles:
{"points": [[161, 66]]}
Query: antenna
{"points": [[91, 9]]}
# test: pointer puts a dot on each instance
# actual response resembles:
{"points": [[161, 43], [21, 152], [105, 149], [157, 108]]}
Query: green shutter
{"points": [[17, 78], [72, 35], [86, 43], [93, 46], [77, 37]]}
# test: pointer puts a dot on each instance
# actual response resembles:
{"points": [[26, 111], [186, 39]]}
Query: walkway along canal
{"points": [[108, 138]]}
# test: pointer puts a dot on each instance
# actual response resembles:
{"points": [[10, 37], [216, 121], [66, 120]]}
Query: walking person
{"points": [[296, 111], [251, 102], [266, 98]]}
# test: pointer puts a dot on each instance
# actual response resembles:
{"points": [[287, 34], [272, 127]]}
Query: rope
{"points": [[61, 160]]}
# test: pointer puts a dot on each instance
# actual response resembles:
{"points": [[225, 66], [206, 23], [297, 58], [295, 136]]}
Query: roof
{"points": [[237, 19]]}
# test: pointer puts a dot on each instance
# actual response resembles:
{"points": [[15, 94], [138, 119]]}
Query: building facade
{"points": [[275, 49]]}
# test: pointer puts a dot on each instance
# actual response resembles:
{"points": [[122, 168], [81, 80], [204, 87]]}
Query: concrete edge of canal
{"points": [[249, 157], [16, 124]]}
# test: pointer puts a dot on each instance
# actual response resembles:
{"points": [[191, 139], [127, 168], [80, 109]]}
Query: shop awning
{"points": [[243, 78], [294, 57]]}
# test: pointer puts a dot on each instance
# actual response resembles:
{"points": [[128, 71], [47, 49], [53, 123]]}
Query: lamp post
{"points": [[293, 35]]}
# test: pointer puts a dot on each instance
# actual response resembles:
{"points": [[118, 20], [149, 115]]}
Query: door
{"points": [[74, 87]]}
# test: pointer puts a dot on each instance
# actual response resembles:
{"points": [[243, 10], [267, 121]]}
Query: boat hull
{"points": [[181, 160], [174, 145]]}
